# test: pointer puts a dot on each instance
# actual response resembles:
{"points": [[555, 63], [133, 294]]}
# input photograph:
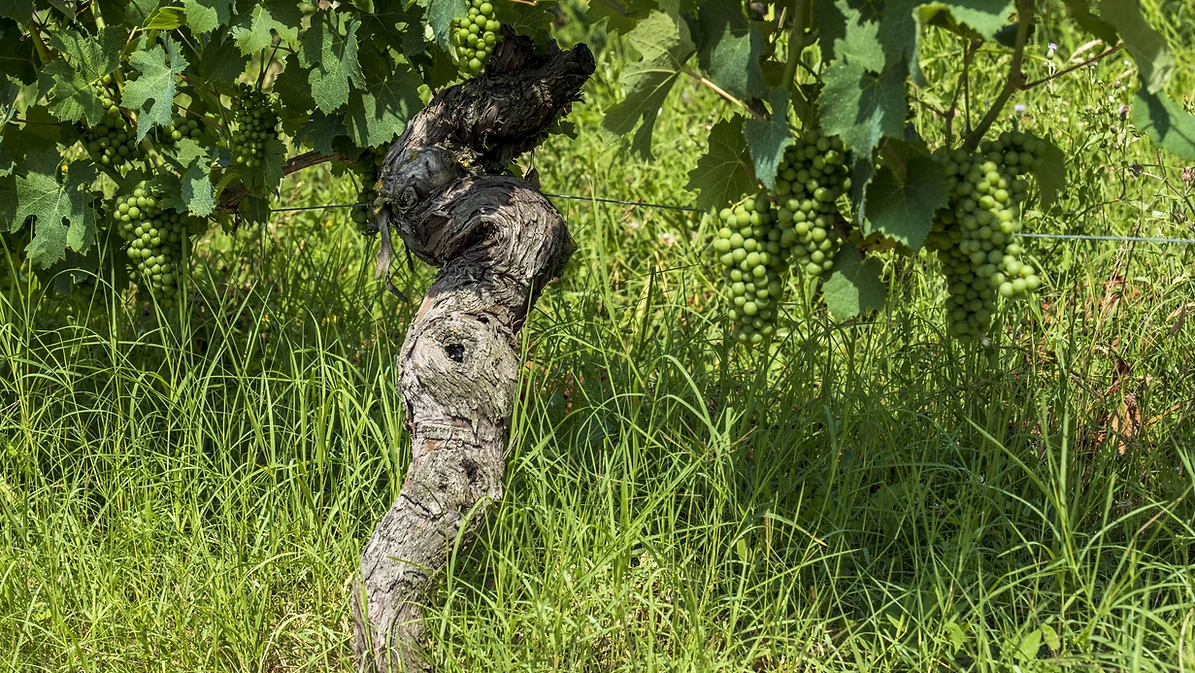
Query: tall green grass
{"points": [[189, 490]]}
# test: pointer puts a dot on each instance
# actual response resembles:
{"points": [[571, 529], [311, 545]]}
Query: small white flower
{"points": [[667, 239], [1051, 49]]}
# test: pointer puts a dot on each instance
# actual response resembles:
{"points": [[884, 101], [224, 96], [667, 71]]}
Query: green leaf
{"points": [[1050, 637], [767, 140], [855, 285], [621, 15], [204, 16], [1148, 47], [860, 41], [221, 60], [8, 205], [1030, 644], [903, 197], [320, 131], [377, 115], [195, 193], [61, 214], [985, 16], [255, 28], [663, 43], [20, 10], [527, 18], [440, 14], [955, 635], [17, 54], [164, 18], [721, 174], [1051, 174], [862, 108], [84, 60], [731, 47], [1080, 11], [329, 49], [1171, 127], [159, 70]]}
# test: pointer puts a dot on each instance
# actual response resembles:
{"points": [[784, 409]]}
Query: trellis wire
{"points": [[688, 209]]}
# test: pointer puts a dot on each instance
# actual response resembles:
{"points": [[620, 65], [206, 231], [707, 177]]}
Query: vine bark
{"points": [[497, 242]]}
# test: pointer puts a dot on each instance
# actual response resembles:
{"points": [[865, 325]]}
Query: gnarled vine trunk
{"points": [[497, 242]]}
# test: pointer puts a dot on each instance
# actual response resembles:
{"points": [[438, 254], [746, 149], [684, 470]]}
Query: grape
{"points": [[369, 169], [475, 34], [182, 127], [156, 239], [753, 247], [976, 236], [810, 178], [113, 141], [256, 122]]}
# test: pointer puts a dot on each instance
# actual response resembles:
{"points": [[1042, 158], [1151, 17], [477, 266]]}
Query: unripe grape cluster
{"points": [[113, 141], [976, 235], [257, 122], [810, 178], [369, 169], [476, 33], [156, 238], [753, 248], [181, 127]]}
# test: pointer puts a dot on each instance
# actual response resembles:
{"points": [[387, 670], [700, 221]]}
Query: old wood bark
{"points": [[497, 242]]}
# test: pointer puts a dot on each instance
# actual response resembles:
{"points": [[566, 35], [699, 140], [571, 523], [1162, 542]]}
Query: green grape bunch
{"points": [[809, 180], [369, 170], [256, 122], [113, 141], [182, 127], [475, 34], [976, 236], [156, 238], [753, 245]]}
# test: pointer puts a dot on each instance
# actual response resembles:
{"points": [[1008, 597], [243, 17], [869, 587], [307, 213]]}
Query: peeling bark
{"points": [[497, 242]]}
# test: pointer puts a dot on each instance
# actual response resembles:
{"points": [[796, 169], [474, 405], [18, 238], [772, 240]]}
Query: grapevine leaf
{"points": [[862, 172], [204, 16], [194, 193], [131, 13], [861, 107], [156, 84], [1051, 173], [377, 115], [293, 85], [904, 195], [621, 15], [17, 55], [440, 14], [41, 132], [730, 50], [860, 41], [7, 163], [1166, 122], [320, 131], [8, 204], [329, 49], [164, 18], [721, 174], [855, 286], [1150, 51], [1081, 12], [664, 45], [767, 140], [9, 91], [70, 83], [254, 29], [41, 196], [19, 10], [985, 16], [527, 18], [901, 36], [221, 60]]}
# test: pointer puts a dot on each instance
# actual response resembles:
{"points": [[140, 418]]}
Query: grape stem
{"points": [[232, 197], [724, 94], [1016, 78], [796, 44], [1098, 57]]}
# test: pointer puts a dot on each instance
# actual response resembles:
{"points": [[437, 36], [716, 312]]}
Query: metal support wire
{"points": [[688, 209]]}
